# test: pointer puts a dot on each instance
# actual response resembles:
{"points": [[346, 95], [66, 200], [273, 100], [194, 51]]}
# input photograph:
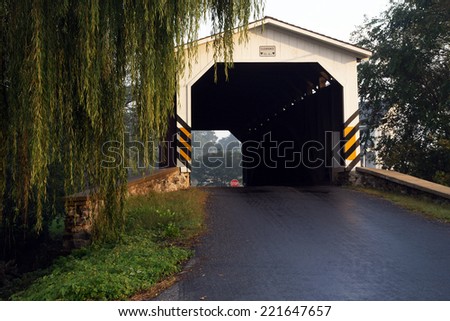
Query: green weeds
{"points": [[155, 243]]}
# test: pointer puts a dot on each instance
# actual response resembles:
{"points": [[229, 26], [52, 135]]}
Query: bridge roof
{"points": [[357, 52]]}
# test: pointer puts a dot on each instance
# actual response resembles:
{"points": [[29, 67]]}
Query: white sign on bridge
{"points": [[267, 51]]}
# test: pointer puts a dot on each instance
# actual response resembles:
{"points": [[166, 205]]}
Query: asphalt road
{"points": [[322, 243]]}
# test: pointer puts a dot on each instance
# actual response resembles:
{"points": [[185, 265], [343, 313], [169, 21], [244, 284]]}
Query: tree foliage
{"points": [[215, 162], [64, 68], [405, 86]]}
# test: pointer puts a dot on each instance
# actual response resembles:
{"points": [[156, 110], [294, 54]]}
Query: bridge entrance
{"points": [[291, 99], [284, 113]]}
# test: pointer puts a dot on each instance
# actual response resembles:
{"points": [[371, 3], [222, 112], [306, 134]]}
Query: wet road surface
{"points": [[321, 243]]}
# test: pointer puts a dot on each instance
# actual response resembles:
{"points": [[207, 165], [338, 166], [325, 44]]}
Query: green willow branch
{"points": [[65, 69]]}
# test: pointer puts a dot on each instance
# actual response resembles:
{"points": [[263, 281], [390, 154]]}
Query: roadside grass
{"points": [[154, 245], [427, 207]]}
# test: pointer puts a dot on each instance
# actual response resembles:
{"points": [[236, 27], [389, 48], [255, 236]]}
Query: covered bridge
{"points": [[291, 99]]}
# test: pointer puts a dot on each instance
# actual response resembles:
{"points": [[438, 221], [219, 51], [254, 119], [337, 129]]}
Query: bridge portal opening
{"points": [[216, 159], [288, 116]]}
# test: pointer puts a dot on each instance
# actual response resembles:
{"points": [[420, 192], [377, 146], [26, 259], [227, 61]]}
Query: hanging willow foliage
{"points": [[64, 69]]}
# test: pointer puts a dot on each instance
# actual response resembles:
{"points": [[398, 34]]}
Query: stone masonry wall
{"points": [[167, 181], [81, 209], [366, 180], [80, 213]]}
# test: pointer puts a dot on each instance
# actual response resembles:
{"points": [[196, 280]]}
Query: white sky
{"points": [[334, 18]]}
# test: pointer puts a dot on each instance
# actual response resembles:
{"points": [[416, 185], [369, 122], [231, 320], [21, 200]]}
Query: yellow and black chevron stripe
{"points": [[184, 145], [351, 142]]}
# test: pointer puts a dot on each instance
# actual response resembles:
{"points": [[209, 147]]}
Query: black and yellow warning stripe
{"points": [[351, 142], [184, 144]]}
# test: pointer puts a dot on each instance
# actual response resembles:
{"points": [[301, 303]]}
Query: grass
{"points": [[56, 228], [427, 207], [154, 245]]}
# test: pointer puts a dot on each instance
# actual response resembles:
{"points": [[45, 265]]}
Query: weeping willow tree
{"points": [[64, 68]]}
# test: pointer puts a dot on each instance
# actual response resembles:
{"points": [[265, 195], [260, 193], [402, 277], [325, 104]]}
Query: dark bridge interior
{"points": [[281, 112]]}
